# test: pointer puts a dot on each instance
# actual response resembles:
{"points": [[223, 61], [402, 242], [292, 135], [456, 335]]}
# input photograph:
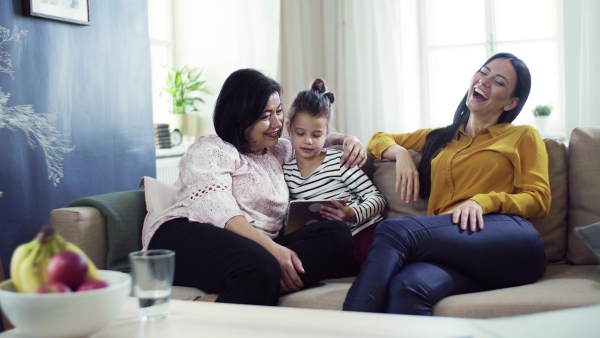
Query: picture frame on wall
{"points": [[73, 11]]}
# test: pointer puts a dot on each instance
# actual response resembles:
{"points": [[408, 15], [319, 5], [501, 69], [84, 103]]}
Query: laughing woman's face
{"points": [[491, 88]]}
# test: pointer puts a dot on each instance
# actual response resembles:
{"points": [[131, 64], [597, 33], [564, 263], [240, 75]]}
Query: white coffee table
{"points": [[198, 319]]}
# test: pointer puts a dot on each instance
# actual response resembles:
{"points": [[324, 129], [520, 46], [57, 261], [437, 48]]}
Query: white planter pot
{"points": [[542, 123], [188, 124]]}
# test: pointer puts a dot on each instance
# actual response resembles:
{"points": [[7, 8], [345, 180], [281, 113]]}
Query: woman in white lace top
{"points": [[225, 226]]}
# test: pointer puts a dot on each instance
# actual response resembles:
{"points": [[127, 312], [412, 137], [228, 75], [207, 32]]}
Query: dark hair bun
{"points": [[318, 85]]}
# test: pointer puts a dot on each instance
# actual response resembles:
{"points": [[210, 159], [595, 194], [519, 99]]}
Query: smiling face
{"points": [[264, 133], [491, 89], [308, 134]]}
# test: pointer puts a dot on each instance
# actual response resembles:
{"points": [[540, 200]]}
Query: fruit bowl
{"points": [[76, 314]]}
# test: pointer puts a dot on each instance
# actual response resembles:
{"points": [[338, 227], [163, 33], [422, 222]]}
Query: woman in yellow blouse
{"points": [[483, 176]]}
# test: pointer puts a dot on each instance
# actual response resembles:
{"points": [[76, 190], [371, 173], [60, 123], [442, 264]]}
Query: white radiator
{"points": [[167, 169]]}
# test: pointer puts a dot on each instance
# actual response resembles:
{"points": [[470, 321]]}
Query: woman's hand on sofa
{"points": [[407, 175]]}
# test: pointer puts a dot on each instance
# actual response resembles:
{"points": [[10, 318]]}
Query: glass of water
{"points": [[153, 272]]}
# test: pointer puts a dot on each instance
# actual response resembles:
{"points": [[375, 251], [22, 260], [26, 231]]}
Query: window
{"points": [[458, 36], [161, 53]]}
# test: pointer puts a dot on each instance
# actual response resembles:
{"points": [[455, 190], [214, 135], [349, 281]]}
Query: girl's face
{"points": [[308, 134], [264, 133], [491, 88]]}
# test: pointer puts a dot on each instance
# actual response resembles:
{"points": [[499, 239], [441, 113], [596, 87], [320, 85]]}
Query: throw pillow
{"points": [[159, 196], [584, 191], [384, 178], [553, 227]]}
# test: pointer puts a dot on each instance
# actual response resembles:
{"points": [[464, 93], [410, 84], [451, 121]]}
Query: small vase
{"points": [[177, 121], [541, 124], [191, 125]]}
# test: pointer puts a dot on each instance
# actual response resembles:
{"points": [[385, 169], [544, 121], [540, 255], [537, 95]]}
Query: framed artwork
{"points": [[74, 11]]}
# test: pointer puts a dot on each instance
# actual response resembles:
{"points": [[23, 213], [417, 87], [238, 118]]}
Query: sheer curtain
{"points": [[303, 48], [259, 35], [358, 48], [589, 100]]}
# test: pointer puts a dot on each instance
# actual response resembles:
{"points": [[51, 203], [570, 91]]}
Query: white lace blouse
{"points": [[219, 183]]}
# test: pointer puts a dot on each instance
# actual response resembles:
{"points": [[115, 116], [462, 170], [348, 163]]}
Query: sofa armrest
{"points": [[84, 227], [123, 213], [107, 227]]}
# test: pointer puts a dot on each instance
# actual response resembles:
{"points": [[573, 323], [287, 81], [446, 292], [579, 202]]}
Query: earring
{"points": [[505, 108]]}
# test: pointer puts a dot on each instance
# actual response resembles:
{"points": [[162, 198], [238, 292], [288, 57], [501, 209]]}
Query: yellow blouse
{"points": [[504, 169]]}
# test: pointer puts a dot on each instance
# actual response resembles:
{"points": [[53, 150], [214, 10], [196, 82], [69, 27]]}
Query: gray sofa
{"points": [[108, 226]]}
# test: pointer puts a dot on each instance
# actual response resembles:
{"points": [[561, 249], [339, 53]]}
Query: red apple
{"points": [[53, 288], [92, 284], [68, 268]]}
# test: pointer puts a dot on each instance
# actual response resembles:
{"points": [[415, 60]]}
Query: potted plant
{"points": [[542, 110], [542, 115], [184, 87]]}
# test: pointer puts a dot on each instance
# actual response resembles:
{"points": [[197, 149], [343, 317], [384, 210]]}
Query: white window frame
{"points": [[169, 43], [490, 48]]}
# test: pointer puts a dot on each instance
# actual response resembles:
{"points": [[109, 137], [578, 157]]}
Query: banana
{"points": [[29, 260], [28, 264], [22, 252]]}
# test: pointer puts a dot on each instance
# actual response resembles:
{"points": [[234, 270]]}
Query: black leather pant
{"points": [[240, 270]]}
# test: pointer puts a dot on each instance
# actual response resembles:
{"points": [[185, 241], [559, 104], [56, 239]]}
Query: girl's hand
{"points": [[290, 267], [469, 213], [341, 212], [407, 176], [354, 152]]}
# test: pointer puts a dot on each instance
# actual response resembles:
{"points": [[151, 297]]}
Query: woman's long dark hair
{"points": [[241, 102], [439, 138]]}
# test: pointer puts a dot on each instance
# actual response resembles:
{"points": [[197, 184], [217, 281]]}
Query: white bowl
{"points": [[76, 314]]}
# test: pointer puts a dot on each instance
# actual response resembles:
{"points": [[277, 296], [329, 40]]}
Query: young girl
{"points": [[316, 173]]}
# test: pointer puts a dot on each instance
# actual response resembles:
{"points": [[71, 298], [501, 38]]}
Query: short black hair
{"points": [[241, 103]]}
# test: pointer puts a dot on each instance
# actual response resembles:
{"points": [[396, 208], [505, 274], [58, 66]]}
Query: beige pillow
{"points": [[584, 190], [553, 227], [384, 178]]}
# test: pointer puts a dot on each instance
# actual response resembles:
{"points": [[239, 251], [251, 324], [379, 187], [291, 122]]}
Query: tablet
{"points": [[304, 212]]}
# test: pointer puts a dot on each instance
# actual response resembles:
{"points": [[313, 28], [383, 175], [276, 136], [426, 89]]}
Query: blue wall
{"points": [[96, 79]]}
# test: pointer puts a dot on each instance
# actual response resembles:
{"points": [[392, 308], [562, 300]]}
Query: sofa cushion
{"points": [[329, 295], [584, 190], [384, 178], [553, 227], [186, 293], [563, 286]]}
